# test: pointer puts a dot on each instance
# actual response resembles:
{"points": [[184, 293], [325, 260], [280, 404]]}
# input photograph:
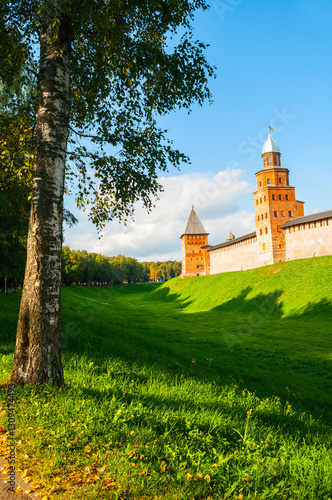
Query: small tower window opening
{"points": [[256, 202], [257, 217], [282, 213], [275, 213], [290, 213], [266, 230], [273, 197], [261, 232], [264, 198], [269, 181], [275, 160], [266, 215], [260, 200], [279, 196], [260, 183], [280, 180], [269, 160], [286, 197]]}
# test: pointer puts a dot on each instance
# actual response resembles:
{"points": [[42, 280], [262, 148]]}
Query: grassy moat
{"points": [[216, 387]]}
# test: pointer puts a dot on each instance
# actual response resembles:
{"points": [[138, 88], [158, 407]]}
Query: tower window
{"points": [[266, 215], [290, 213], [257, 217], [286, 197], [269, 159], [261, 231], [275, 213], [275, 160], [260, 200], [266, 230], [280, 181], [264, 198], [279, 196], [256, 202], [260, 183], [282, 213], [269, 181], [273, 197]]}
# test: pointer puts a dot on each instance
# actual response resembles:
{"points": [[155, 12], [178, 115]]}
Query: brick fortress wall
{"points": [[238, 256], [311, 239]]}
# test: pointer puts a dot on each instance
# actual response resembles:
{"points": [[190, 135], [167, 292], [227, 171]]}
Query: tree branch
{"points": [[83, 135]]}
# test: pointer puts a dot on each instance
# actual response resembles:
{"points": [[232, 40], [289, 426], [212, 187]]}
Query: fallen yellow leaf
{"points": [[87, 449]]}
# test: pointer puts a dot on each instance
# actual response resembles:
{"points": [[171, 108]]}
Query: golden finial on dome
{"points": [[270, 128]]}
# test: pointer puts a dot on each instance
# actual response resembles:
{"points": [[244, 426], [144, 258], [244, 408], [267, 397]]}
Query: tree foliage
{"points": [[130, 61]]}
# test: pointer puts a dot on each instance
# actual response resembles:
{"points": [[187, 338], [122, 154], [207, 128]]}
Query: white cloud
{"points": [[155, 236]]}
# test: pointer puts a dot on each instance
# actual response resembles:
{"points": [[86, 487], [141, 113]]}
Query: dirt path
{"points": [[5, 494]]}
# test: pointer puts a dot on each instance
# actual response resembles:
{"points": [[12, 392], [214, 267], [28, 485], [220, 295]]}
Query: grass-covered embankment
{"points": [[212, 387]]}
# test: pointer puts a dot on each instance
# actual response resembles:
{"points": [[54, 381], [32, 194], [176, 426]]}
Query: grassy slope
{"points": [[159, 400]]}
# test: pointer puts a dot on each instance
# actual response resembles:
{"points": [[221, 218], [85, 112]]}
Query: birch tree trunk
{"points": [[38, 344]]}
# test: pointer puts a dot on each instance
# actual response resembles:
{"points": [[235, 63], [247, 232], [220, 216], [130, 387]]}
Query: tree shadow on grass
{"points": [[239, 338], [234, 340]]}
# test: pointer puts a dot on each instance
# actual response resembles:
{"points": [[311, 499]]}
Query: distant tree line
{"points": [[81, 267]]}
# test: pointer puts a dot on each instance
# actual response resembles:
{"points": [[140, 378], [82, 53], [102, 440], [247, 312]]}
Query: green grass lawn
{"points": [[216, 387]]}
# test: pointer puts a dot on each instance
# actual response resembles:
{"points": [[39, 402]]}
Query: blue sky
{"points": [[274, 67]]}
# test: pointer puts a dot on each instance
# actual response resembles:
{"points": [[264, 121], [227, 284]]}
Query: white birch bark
{"points": [[38, 344]]}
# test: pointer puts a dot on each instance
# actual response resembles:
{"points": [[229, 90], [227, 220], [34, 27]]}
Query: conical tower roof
{"points": [[230, 236], [194, 225]]}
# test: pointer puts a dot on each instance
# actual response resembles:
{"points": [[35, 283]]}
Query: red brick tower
{"points": [[194, 244], [275, 204]]}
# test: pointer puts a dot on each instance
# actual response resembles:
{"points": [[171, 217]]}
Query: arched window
{"points": [[269, 181]]}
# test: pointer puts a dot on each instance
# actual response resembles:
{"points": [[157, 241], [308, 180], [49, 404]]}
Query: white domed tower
{"points": [[275, 204]]}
